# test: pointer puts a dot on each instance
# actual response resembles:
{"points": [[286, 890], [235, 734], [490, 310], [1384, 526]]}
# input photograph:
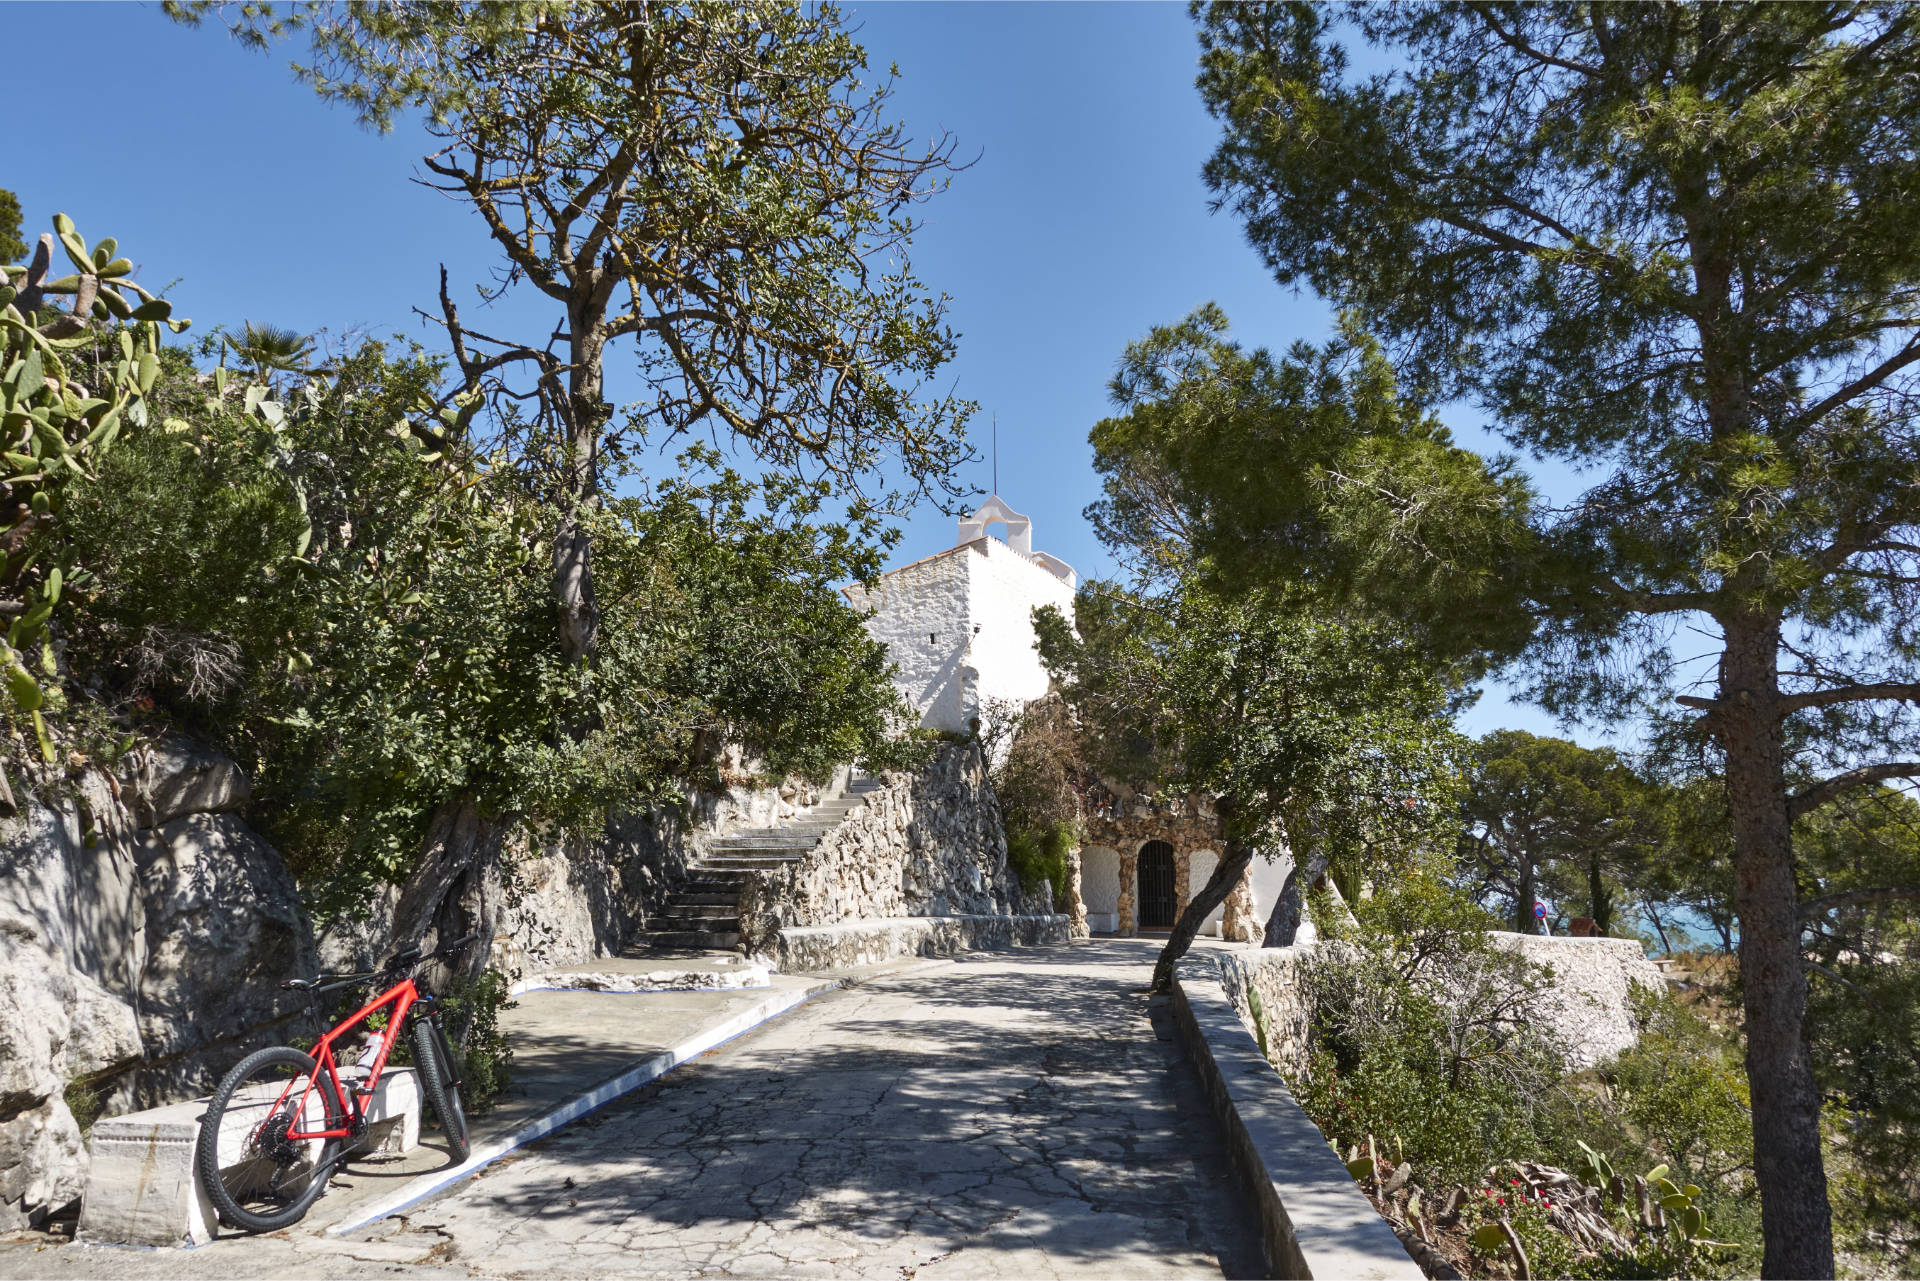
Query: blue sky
{"points": [[1081, 223]]}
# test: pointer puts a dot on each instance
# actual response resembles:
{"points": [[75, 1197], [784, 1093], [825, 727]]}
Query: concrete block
{"points": [[1315, 1221], [875, 940], [142, 1188]]}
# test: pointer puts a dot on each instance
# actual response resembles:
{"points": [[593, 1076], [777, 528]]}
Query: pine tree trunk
{"points": [[1226, 875], [1795, 1219], [1599, 904], [1523, 900]]}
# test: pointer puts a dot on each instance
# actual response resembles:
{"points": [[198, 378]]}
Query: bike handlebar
{"points": [[404, 959]]}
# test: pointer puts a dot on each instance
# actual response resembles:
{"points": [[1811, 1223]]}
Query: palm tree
{"points": [[269, 349]]}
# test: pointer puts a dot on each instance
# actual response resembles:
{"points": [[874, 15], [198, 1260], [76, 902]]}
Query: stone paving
{"points": [[1006, 1115]]}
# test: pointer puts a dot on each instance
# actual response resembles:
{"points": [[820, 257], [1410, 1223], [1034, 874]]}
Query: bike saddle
{"points": [[298, 985]]}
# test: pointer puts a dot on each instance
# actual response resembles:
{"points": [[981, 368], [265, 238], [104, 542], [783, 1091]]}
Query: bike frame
{"points": [[402, 996]]}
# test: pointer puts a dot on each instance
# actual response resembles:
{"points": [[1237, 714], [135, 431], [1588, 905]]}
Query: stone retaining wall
{"points": [[581, 899], [1586, 1010], [871, 942], [928, 843], [1314, 1220]]}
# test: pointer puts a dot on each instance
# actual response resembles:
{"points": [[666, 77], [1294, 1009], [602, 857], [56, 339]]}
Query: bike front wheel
{"points": [[434, 1058], [259, 1179]]}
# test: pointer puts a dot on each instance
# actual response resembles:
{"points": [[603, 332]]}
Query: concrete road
{"points": [[1007, 1115]]}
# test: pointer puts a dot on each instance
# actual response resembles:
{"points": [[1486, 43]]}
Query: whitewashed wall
{"points": [[1004, 588], [920, 614], [959, 628], [1269, 878], [1100, 887]]}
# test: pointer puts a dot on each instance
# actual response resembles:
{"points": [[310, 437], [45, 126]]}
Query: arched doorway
{"points": [[1157, 897]]}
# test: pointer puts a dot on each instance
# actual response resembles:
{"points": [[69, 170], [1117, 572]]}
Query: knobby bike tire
{"points": [[256, 1180], [434, 1059]]}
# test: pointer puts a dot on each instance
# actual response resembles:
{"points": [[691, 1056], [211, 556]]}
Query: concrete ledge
{"points": [[142, 1188], [875, 940], [1314, 1219], [583, 978]]}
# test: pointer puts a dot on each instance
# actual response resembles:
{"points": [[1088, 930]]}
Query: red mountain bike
{"points": [[276, 1126]]}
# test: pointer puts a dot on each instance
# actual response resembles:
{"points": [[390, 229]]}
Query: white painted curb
{"points": [[632, 1079]]}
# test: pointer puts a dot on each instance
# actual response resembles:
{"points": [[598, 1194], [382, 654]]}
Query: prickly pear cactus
{"points": [[52, 430]]}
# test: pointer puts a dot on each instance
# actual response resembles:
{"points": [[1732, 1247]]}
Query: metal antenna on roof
{"points": [[996, 451]]}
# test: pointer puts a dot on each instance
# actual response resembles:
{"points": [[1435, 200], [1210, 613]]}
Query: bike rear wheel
{"points": [[257, 1178], [434, 1058]]}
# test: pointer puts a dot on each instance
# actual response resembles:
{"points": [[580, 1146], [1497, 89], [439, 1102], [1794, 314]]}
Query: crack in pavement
{"points": [[1014, 1117]]}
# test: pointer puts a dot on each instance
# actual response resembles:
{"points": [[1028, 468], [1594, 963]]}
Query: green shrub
{"points": [[1453, 1086], [85, 1101], [1677, 1098], [355, 602], [1040, 858], [1420, 1037], [472, 1010]]}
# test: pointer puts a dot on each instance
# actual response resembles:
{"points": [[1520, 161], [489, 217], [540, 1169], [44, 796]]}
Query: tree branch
{"points": [[1518, 45], [1905, 691], [1827, 902], [1820, 793], [1865, 382]]}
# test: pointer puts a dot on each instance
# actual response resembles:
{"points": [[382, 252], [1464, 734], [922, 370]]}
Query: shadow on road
{"points": [[1014, 1102]]}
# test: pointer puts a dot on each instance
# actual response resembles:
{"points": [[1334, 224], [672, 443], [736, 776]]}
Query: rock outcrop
{"points": [[1588, 1008], [143, 931]]}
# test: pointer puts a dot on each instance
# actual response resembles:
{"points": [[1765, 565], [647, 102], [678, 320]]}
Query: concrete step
{"points": [[660, 939], [728, 898], [671, 924], [700, 911], [730, 854], [762, 864], [143, 1178]]}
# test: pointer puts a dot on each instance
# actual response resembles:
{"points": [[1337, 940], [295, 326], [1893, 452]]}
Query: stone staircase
{"points": [[703, 911]]}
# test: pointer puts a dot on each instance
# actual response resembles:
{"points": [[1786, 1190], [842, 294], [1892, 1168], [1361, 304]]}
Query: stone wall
{"points": [[927, 843], [1586, 1009], [574, 899], [1314, 1220], [798, 949]]}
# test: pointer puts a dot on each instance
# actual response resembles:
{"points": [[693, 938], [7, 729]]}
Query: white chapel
{"points": [[959, 624]]}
